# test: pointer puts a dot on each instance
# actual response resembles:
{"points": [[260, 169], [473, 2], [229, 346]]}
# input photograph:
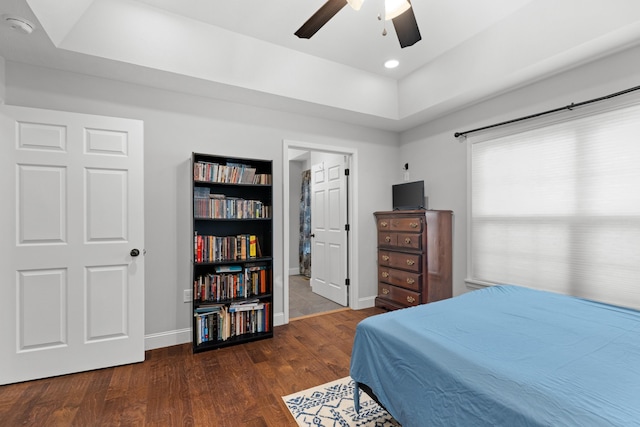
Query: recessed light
{"points": [[392, 63]]}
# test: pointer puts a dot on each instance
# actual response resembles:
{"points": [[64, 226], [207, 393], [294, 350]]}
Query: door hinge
{"points": [[346, 171], [346, 227], [347, 282]]}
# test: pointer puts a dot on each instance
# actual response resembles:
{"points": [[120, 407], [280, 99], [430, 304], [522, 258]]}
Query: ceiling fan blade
{"points": [[321, 17], [407, 28]]}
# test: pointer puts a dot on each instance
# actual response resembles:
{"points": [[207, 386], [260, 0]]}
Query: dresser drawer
{"points": [[387, 239], [414, 224], [400, 240], [400, 278], [383, 223], [409, 241], [399, 295], [405, 261]]}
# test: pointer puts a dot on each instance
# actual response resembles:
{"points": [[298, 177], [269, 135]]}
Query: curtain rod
{"points": [[555, 110]]}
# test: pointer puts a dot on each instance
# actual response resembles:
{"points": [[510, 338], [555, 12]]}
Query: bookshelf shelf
{"points": [[231, 219], [227, 262], [232, 262], [201, 304], [231, 184]]}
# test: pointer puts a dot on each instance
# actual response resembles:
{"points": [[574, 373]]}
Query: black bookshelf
{"points": [[232, 261]]}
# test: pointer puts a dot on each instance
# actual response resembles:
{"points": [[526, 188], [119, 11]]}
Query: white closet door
{"points": [[71, 293]]}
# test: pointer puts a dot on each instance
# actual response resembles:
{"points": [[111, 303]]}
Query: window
{"points": [[556, 206]]}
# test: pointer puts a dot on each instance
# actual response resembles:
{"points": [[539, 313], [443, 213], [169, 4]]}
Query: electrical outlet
{"points": [[186, 296]]}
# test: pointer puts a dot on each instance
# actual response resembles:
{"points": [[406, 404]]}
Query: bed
{"points": [[503, 356]]}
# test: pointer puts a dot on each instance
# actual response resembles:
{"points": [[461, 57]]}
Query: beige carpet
{"points": [[303, 302]]}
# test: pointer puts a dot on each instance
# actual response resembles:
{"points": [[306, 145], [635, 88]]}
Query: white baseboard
{"points": [[278, 319], [294, 271], [476, 284], [167, 339], [365, 303]]}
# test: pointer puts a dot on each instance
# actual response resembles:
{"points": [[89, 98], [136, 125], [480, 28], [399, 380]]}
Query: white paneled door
{"points": [[328, 221], [71, 254]]}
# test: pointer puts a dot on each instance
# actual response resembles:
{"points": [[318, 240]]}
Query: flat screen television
{"points": [[409, 195]]}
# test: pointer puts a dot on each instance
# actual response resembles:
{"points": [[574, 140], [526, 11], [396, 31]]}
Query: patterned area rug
{"points": [[331, 405]]}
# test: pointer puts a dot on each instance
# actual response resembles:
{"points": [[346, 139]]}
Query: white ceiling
{"points": [[353, 38], [245, 50]]}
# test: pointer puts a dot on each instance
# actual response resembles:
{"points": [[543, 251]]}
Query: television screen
{"points": [[409, 195]]}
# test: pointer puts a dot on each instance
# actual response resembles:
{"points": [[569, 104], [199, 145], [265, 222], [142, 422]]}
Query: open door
{"points": [[329, 236], [72, 264]]}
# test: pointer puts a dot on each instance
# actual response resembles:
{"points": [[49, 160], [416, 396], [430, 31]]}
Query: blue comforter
{"points": [[504, 356]]}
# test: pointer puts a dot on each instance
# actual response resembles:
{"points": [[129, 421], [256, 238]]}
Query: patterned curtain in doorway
{"points": [[305, 225]]}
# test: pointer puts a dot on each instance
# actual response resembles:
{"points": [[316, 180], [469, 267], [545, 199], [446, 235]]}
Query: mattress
{"points": [[503, 356]]}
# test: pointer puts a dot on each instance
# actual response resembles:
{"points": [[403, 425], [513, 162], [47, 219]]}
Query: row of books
{"points": [[229, 208], [225, 248], [221, 322], [243, 283], [231, 173], [262, 179]]}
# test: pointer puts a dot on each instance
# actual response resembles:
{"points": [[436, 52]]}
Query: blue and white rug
{"points": [[331, 405]]}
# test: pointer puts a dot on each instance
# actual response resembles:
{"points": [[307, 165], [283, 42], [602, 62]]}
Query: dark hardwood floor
{"points": [[234, 386]]}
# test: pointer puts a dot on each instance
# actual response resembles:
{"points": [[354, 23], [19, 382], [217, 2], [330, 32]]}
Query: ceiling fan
{"points": [[398, 11]]}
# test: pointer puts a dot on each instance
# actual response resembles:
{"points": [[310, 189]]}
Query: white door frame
{"points": [[351, 219]]}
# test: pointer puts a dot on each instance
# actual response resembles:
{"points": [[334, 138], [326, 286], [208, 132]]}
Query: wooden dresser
{"points": [[414, 257]]}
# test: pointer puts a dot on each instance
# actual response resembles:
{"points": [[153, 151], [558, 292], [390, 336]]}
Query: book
{"points": [[252, 246], [249, 173], [225, 248], [213, 308], [246, 306], [201, 192], [228, 268]]}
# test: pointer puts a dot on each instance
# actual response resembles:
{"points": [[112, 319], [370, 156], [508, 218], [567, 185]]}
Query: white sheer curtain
{"points": [[557, 206]]}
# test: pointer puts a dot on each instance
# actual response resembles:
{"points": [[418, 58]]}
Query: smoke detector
{"points": [[18, 24]]}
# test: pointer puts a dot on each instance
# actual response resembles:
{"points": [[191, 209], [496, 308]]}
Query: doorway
{"points": [[330, 239]]}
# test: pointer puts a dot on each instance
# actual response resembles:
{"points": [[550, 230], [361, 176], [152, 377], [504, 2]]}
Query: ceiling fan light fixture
{"points": [[355, 4], [395, 8]]}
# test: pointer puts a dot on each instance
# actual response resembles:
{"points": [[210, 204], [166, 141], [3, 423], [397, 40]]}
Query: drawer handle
{"points": [[407, 240], [411, 299], [385, 291], [387, 239], [383, 224], [385, 274], [410, 262], [410, 280], [385, 257], [414, 224]]}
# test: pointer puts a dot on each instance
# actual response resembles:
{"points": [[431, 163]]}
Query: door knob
{"points": [[134, 252]]}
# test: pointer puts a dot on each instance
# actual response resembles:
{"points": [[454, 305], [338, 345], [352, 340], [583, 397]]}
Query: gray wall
{"points": [[176, 125]]}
